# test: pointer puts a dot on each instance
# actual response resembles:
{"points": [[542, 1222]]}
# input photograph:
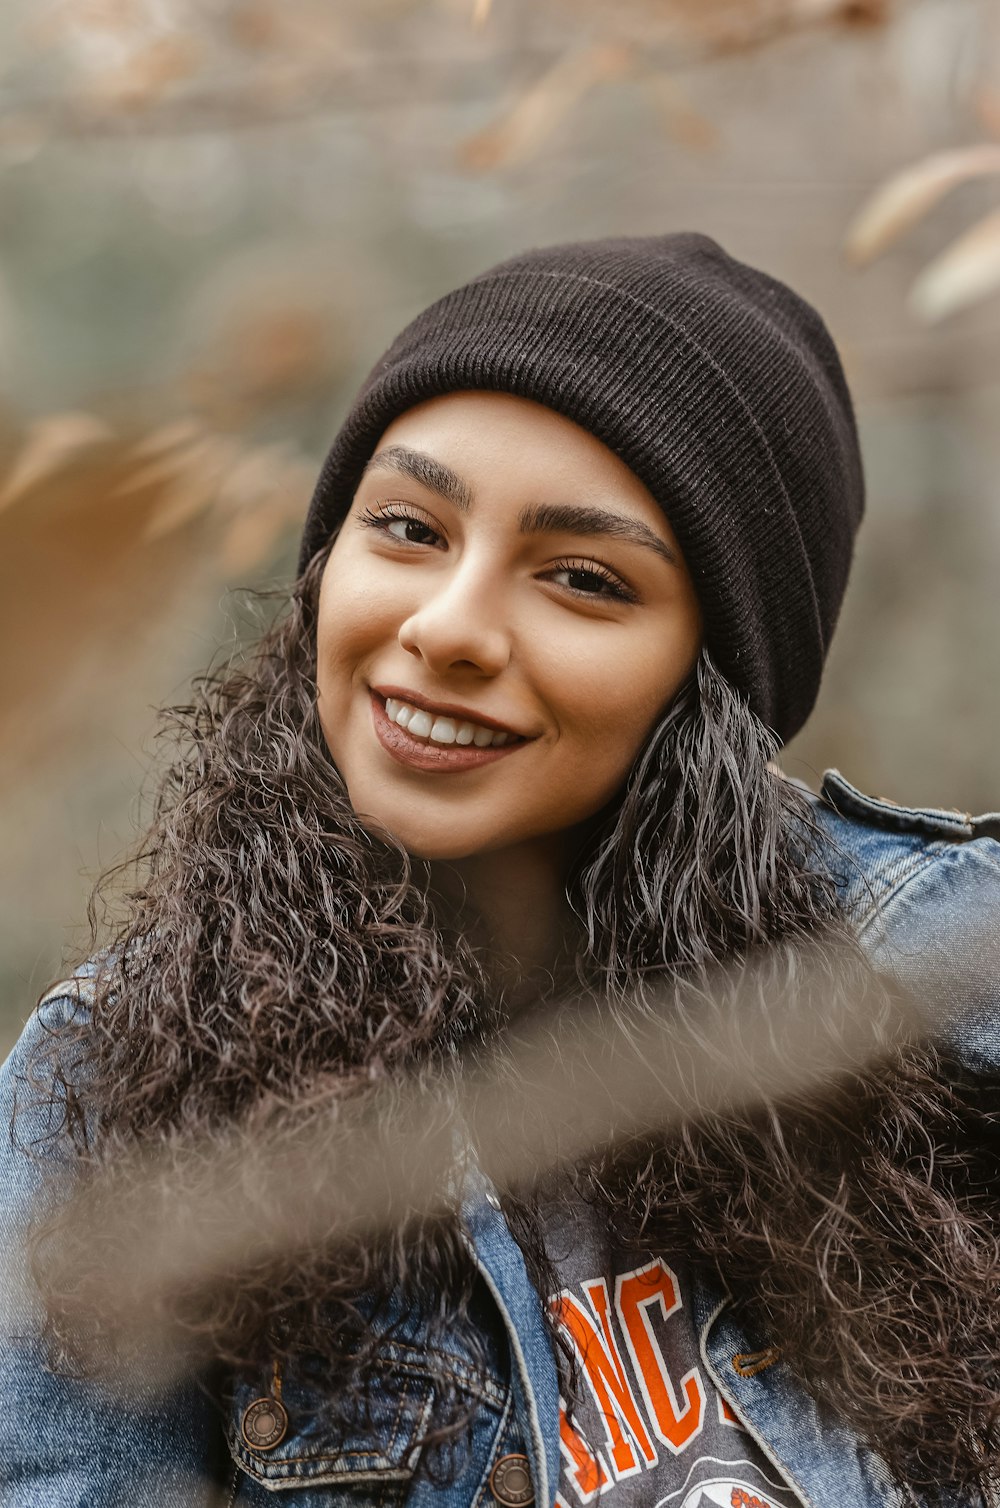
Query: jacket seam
{"points": [[325, 1459], [933, 823], [397, 1473], [763, 1445], [457, 1369], [921, 862], [484, 1481], [521, 1362]]}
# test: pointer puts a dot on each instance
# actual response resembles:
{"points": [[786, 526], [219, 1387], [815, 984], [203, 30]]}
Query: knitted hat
{"points": [[717, 385]]}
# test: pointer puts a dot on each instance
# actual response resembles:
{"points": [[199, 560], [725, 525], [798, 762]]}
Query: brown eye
{"points": [[413, 526], [411, 530], [592, 580], [584, 581]]}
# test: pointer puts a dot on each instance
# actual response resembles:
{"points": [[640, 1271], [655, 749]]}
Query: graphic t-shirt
{"points": [[651, 1429]]}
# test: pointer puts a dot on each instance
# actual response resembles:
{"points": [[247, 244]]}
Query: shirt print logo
{"points": [[719, 1491], [642, 1407]]}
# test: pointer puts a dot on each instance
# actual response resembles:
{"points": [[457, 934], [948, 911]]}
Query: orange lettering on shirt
{"points": [[586, 1471], [606, 1374], [675, 1420], [726, 1415]]}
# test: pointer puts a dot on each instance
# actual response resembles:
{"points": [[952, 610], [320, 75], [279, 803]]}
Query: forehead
{"points": [[481, 416]]}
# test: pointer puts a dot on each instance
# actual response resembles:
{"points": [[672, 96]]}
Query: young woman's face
{"points": [[499, 569]]}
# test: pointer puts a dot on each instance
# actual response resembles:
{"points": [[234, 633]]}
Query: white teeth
{"points": [[443, 730]]}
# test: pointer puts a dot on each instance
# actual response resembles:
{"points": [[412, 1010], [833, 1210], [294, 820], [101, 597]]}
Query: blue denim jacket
{"points": [[923, 888]]}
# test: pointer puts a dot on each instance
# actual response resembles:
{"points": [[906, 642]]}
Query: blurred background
{"points": [[213, 216]]}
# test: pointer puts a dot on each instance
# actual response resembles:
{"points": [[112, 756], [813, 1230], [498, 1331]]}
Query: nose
{"points": [[459, 625]]}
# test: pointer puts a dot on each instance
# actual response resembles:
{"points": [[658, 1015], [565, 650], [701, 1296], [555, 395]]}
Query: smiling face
{"points": [[499, 569]]}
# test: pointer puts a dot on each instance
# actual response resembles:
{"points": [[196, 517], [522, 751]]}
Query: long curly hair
{"points": [[269, 950]]}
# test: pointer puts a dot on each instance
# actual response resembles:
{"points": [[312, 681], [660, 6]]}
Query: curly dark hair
{"points": [[272, 951]]}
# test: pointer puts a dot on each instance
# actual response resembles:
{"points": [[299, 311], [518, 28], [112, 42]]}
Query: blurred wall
{"points": [[210, 225]]}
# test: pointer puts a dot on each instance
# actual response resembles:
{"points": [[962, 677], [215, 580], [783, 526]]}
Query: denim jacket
{"points": [[923, 889]]}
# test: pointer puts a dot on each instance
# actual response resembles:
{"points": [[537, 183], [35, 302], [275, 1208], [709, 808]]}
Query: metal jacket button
{"points": [[510, 1482], [265, 1424]]}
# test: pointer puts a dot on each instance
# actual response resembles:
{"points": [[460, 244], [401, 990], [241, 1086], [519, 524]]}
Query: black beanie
{"points": [[717, 385]]}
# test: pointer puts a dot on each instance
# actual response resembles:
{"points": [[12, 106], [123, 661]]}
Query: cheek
{"points": [[347, 628], [350, 618], [603, 727], [606, 750]]}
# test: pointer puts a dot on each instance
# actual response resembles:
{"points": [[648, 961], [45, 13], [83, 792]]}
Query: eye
{"points": [[388, 519], [587, 579]]}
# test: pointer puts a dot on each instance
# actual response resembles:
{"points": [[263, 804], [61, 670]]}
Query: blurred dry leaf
{"points": [[252, 537], [967, 271], [73, 15], [683, 123], [263, 356], [272, 473], [122, 527], [711, 26], [305, 29], [731, 23], [147, 74], [22, 134], [194, 471], [309, 55], [265, 487], [111, 15], [282, 349], [538, 111], [177, 432], [986, 104], [846, 12], [198, 473], [908, 196], [51, 444], [162, 468]]}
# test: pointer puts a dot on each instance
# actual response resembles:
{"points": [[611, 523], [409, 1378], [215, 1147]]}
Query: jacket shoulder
{"points": [[34, 1104], [66, 1440], [922, 887]]}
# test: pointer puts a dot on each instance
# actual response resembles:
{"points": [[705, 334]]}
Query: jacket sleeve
{"points": [[65, 1443], [938, 932]]}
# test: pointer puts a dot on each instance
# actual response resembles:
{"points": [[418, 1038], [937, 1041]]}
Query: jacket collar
{"points": [[534, 1375]]}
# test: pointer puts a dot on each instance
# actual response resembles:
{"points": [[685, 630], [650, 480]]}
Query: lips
{"points": [[418, 754], [444, 709]]}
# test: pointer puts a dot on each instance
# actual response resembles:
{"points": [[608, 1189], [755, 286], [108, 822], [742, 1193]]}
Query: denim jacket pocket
{"points": [[379, 1444]]}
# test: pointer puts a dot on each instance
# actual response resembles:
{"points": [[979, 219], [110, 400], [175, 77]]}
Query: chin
{"points": [[421, 843]]}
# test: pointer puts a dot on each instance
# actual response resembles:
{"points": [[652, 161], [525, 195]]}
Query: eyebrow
{"points": [[417, 466], [538, 518], [565, 518]]}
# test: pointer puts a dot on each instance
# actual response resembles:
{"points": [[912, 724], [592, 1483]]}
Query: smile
{"points": [[441, 729], [437, 743]]}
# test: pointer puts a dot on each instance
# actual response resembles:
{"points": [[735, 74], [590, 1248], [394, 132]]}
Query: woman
{"points": [[567, 583]]}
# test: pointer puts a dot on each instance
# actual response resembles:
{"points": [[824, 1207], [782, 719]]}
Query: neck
{"points": [[512, 905]]}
